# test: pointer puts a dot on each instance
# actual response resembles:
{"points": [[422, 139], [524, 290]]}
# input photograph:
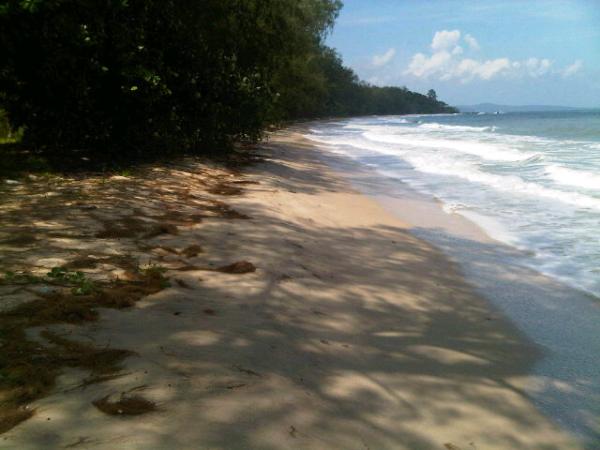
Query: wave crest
{"points": [[571, 177], [439, 126]]}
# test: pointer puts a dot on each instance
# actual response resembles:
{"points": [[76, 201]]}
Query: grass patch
{"points": [[20, 278], [58, 276], [81, 284], [155, 273]]}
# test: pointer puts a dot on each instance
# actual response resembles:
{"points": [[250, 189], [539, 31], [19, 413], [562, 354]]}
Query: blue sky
{"points": [[510, 52]]}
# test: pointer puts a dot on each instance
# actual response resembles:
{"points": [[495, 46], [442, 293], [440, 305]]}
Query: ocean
{"points": [[530, 180]]}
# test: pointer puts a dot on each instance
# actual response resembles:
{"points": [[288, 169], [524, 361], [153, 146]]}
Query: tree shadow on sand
{"points": [[345, 337]]}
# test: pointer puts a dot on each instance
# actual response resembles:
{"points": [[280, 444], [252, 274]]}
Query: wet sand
{"points": [[352, 333]]}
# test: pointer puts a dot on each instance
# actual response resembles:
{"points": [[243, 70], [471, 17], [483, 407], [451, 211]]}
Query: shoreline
{"points": [[351, 333], [566, 386], [549, 255]]}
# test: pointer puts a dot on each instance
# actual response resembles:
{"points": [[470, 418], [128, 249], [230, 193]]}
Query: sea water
{"points": [[530, 180]]}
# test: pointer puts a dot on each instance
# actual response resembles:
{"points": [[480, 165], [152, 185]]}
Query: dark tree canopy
{"points": [[131, 77]]}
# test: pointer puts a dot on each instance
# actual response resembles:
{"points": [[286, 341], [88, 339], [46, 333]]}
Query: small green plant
{"points": [[61, 274], [156, 272], [81, 284], [152, 269], [85, 287], [125, 173], [20, 278], [9, 277]]}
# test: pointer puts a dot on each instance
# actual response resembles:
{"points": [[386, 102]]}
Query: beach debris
{"points": [[451, 446], [21, 239], [83, 262], [240, 267], [166, 249], [12, 417], [225, 189], [191, 251], [161, 228], [80, 441], [126, 405], [245, 182], [188, 268], [30, 367], [225, 211], [86, 207], [246, 371], [126, 227], [182, 284], [96, 379], [73, 286]]}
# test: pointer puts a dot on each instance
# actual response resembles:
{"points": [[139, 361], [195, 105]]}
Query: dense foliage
{"points": [[126, 77]]}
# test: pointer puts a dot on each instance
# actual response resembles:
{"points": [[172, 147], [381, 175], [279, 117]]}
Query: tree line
{"points": [[128, 78]]}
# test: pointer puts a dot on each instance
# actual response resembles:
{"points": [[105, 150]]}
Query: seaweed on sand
{"points": [[29, 366]]}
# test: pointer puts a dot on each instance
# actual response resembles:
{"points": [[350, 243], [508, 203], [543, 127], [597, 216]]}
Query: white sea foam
{"points": [[340, 142], [577, 178], [481, 149], [493, 228], [505, 183], [531, 182], [439, 126], [453, 207], [442, 164], [396, 120]]}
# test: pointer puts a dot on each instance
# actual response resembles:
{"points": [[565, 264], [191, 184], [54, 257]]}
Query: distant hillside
{"points": [[492, 107]]}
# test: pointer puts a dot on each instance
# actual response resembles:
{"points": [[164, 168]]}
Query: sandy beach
{"points": [[352, 333]]}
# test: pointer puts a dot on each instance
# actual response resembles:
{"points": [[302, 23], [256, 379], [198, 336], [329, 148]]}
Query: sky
{"points": [[516, 52]]}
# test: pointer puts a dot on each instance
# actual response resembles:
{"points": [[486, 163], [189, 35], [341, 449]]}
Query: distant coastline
{"points": [[493, 107]]}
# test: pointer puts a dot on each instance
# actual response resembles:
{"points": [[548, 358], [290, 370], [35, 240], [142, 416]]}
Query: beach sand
{"points": [[351, 334]]}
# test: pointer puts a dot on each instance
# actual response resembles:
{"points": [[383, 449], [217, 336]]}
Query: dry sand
{"points": [[352, 333]]}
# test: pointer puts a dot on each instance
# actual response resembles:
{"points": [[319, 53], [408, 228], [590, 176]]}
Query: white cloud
{"points": [[467, 69], [572, 69], [446, 62], [457, 50], [382, 60], [472, 42], [422, 66], [443, 40], [537, 67]]}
